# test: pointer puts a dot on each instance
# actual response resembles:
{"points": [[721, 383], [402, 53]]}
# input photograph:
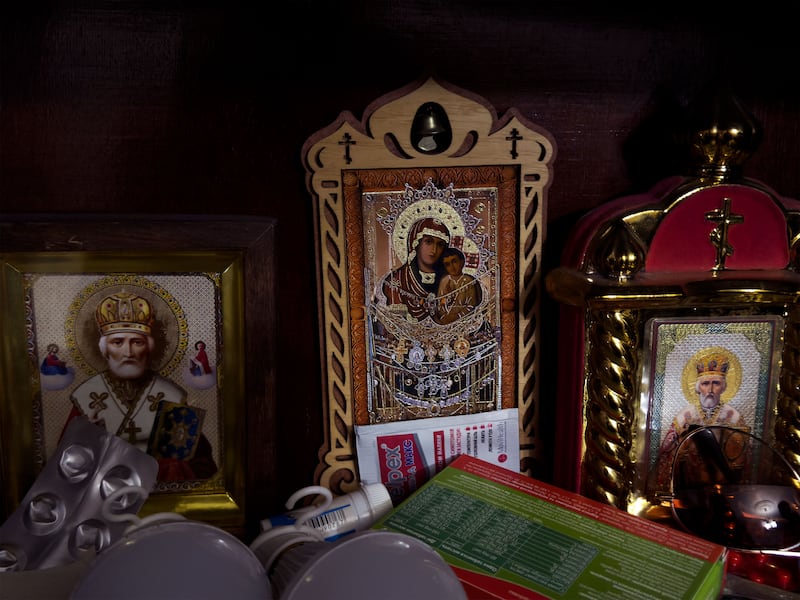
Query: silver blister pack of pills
{"points": [[61, 518]]}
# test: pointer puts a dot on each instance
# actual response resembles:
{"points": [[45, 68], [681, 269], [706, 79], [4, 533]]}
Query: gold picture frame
{"points": [[427, 145], [744, 351], [200, 280]]}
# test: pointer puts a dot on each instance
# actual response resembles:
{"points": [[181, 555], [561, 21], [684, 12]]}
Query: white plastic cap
{"points": [[360, 565], [379, 501]]}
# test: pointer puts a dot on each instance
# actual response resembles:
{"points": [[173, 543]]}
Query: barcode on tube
{"points": [[328, 520]]}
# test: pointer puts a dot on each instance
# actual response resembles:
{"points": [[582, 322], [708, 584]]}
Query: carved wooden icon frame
{"points": [[480, 162]]}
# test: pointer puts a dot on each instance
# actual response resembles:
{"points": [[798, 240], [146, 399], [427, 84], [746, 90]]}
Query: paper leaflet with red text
{"points": [[405, 454]]}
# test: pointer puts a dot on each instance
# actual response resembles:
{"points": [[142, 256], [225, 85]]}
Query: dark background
{"points": [[202, 108]]}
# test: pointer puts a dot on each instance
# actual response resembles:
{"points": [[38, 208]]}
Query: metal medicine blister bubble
{"points": [[60, 520]]}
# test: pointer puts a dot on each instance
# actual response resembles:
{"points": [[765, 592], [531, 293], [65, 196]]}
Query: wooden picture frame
{"points": [[466, 155], [199, 281]]}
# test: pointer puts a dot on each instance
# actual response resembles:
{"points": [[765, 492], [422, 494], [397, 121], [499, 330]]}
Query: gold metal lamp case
{"points": [[649, 286]]}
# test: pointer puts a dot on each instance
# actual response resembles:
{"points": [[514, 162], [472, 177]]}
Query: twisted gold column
{"points": [[787, 424], [609, 405]]}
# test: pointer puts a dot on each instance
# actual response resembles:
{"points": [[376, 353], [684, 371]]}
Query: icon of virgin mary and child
{"points": [[434, 347], [431, 282]]}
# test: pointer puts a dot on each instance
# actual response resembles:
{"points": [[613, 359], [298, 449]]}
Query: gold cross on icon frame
{"points": [[719, 235]]}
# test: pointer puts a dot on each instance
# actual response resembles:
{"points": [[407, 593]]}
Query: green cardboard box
{"points": [[510, 536]]}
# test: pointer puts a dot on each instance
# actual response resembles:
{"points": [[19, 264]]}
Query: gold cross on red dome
{"points": [[719, 235]]}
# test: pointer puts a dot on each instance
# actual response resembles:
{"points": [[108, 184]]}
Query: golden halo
{"points": [[422, 209], [733, 376], [170, 331]]}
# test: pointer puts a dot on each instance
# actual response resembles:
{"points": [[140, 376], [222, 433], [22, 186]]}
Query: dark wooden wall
{"points": [[202, 108]]}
